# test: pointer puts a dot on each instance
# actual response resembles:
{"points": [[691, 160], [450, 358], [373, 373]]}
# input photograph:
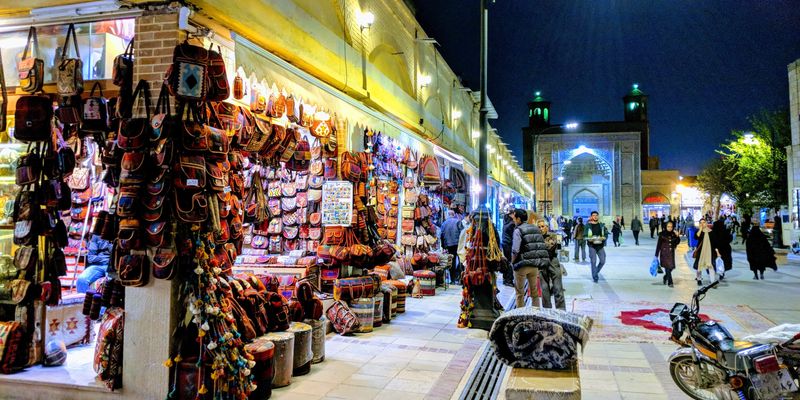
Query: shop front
{"points": [[194, 226], [655, 205]]}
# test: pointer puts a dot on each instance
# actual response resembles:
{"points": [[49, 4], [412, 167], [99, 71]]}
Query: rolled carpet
{"points": [[531, 337]]}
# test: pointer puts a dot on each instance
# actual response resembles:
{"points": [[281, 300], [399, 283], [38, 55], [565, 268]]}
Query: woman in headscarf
{"points": [[703, 253], [665, 251], [721, 240], [760, 254]]}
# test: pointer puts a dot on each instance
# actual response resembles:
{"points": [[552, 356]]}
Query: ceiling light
{"points": [[365, 19], [457, 114], [425, 80]]}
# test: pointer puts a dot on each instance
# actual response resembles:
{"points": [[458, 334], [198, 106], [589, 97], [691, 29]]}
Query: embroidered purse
{"points": [[275, 246], [135, 132], [191, 209], [70, 70], [129, 236], [31, 68], [133, 270], [274, 207], [288, 204], [190, 172], [259, 242]]}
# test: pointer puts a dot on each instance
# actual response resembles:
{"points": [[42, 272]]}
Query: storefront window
{"points": [[99, 43]]}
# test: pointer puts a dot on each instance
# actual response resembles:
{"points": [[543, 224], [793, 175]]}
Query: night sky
{"points": [[706, 65]]}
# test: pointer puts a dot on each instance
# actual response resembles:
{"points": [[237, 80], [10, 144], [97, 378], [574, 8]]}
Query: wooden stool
{"points": [[524, 384], [389, 302], [378, 318], [427, 280], [402, 289], [364, 309], [263, 352], [318, 332], [303, 354], [284, 357]]}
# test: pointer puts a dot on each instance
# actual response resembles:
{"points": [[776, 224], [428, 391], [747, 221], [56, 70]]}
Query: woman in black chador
{"points": [[665, 251]]}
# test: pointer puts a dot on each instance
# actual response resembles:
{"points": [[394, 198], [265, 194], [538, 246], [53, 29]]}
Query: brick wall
{"points": [[156, 36]]}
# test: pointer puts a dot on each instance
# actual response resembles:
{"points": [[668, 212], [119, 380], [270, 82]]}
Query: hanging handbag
{"points": [[122, 72], [26, 258], [129, 236], [430, 171], [191, 208], [95, 111], [133, 270], [29, 167], [190, 172], [351, 167], [238, 87], [188, 76], [70, 70], [31, 68], [32, 118], [134, 133], [79, 180], [330, 170], [164, 263]]}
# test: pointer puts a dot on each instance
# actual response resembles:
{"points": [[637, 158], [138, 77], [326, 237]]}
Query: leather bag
{"points": [[343, 319], [122, 73], [70, 70], [32, 118], [31, 68]]}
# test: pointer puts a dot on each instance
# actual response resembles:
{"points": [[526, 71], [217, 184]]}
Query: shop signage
{"points": [[337, 203]]}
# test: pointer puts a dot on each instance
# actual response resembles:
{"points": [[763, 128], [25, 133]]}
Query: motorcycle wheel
{"points": [[683, 372]]}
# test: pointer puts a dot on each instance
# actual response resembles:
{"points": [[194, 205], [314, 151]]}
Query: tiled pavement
{"points": [[422, 355]]}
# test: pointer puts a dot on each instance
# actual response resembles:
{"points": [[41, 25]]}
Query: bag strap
{"points": [[96, 86], [35, 49], [129, 48], [142, 89], [4, 105], [163, 106], [65, 51]]}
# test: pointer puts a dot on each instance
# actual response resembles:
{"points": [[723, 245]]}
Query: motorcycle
{"points": [[712, 365]]}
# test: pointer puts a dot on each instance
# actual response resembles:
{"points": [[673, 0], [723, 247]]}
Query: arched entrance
{"points": [[586, 186], [584, 202]]}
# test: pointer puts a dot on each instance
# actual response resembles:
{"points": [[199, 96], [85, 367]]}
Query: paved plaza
{"points": [[422, 355]]}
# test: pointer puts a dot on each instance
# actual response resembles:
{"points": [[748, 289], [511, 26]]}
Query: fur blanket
{"points": [[536, 338]]}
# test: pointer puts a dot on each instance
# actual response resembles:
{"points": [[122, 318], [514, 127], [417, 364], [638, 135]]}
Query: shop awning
{"points": [[655, 198]]}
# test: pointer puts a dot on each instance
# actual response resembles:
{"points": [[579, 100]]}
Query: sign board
{"points": [[337, 203]]}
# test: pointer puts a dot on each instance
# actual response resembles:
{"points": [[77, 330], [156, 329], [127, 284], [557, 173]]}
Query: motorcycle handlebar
{"points": [[704, 289]]}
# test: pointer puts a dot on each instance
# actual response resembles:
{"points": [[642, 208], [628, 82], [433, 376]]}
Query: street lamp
{"points": [[570, 126], [365, 21], [547, 167]]}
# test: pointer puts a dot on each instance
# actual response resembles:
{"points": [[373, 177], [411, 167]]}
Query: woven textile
{"points": [[67, 323], [530, 337], [427, 281], [364, 309]]}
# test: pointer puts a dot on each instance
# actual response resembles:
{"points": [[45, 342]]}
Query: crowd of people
{"points": [[532, 245]]}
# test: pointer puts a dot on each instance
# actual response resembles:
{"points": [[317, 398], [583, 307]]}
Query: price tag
{"points": [[192, 182]]}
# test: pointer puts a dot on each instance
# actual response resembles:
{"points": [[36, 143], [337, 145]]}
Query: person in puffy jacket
{"points": [[97, 263], [508, 238], [528, 255]]}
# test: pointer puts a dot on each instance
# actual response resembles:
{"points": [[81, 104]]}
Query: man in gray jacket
{"points": [[529, 254]]}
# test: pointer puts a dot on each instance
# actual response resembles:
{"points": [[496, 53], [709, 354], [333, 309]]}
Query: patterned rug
{"points": [[646, 322]]}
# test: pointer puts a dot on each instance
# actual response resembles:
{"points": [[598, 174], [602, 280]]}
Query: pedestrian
{"points": [[703, 259], [550, 277], [449, 234], [622, 221], [529, 254], [636, 226], [745, 227], [580, 240], [99, 254], [663, 222], [616, 230], [777, 232], [596, 235], [665, 251], [721, 240], [689, 223], [760, 254], [508, 238], [653, 226], [567, 228]]}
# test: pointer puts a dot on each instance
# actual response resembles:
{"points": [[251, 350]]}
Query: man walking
{"points": [[451, 229], [596, 235], [636, 226], [550, 277], [580, 240], [528, 255], [654, 223], [508, 238]]}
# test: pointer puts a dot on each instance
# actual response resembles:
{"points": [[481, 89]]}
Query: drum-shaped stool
{"points": [[284, 357], [263, 352], [303, 353], [427, 279], [364, 309], [318, 332], [389, 302], [378, 316], [402, 292]]}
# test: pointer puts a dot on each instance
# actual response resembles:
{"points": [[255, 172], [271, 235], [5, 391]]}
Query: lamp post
{"points": [[365, 21], [549, 166], [483, 166]]}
